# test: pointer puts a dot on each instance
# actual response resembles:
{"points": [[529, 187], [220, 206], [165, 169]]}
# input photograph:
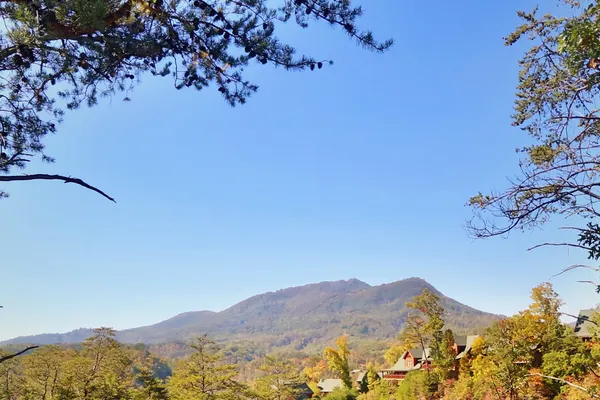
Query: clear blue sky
{"points": [[358, 170]]}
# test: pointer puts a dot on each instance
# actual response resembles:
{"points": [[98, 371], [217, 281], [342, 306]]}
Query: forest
{"points": [[59, 55], [530, 355]]}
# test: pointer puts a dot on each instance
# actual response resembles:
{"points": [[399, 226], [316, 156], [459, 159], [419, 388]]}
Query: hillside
{"points": [[297, 317]]}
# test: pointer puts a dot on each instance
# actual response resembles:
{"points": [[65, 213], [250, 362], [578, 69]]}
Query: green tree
{"points": [[415, 386], [380, 389], [369, 379], [102, 369], [11, 377], [422, 329], [57, 55], [342, 394], [443, 353], [423, 322], [566, 364], [393, 354], [6, 356], [203, 375], [504, 367], [149, 387], [44, 373], [337, 360], [281, 380], [518, 350], [372, 376], [558, 87]]}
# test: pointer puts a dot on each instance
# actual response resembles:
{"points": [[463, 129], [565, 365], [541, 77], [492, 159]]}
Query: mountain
{"points": [[298, 317]]}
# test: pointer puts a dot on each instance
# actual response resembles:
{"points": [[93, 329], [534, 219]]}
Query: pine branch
{"points": [[46, 177]]}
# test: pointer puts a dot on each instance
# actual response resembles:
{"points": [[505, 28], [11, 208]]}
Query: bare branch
{"points": [[11, 356], [66, 179], [558, 245], [566, 382], [576, 266], [590, 282], [578, 318]]}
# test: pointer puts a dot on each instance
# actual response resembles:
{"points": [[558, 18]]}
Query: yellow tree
{"points": [[337, 360], [314, 374]]}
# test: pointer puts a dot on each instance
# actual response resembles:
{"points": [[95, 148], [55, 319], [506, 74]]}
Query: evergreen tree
{"points": [[203, 376], [102, 369], [149, 387], [57, 55], [443, 353]]}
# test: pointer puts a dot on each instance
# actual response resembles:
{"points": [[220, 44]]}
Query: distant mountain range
{"points": [[297, 317]]}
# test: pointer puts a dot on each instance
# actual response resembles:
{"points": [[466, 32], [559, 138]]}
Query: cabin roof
{"points": [[418, 353], [329, 385], [401, 364], [361, 375], [469, 340], [583, 324]]}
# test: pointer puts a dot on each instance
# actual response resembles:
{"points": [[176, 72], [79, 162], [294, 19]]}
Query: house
{"points": [[303, 392], [327, 386], [584, 323], [415, 359], [463, 345], [409, 361]]}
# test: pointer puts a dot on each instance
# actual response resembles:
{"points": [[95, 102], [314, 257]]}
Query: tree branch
{"points": [[578, 318], [566, 382], [10, 356], [46, 177], [558, 245], [576, 266]]}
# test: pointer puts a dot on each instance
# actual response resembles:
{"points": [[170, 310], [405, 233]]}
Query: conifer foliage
{"points": [[56, 55]]}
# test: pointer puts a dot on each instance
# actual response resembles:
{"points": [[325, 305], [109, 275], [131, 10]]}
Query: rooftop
{"points": [[329, 385], [583, 324]]}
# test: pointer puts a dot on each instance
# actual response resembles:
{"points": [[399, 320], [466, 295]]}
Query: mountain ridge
{"points": [[295, 317]]}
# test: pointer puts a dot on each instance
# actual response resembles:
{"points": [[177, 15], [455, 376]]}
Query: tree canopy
{"points": [[559, 82], [337, 360], [203, 375], [56, 55]]}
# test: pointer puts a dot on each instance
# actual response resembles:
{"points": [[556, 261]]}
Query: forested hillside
{"points": [[300, 318]]}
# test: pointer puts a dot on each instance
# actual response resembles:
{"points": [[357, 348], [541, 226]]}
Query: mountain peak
{"points": [[299, 317]]}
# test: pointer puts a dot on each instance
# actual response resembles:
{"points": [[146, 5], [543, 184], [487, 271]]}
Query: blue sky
{"points": [[357, 170]]}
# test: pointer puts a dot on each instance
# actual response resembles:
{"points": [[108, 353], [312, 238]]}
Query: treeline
{"points": [[102, 368], [531, 355]]}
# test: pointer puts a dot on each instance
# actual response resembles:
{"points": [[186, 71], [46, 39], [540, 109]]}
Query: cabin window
{"points": [[409, 363]]}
